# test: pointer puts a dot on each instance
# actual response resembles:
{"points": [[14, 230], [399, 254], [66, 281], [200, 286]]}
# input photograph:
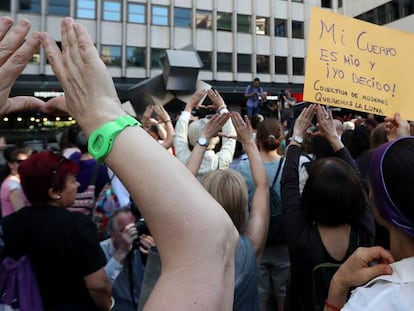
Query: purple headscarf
{"points": [[384, 203]]}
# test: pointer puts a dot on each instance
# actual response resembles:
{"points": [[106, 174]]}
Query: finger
{"points": [[71, 49], [377, 270], [6, 23], [23, 103], [53, 54], [13, 39], [55, 105], [17, 62], [247, 121]]}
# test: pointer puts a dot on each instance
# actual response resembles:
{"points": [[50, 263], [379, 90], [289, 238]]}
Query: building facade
{"points": [[237, 40]]}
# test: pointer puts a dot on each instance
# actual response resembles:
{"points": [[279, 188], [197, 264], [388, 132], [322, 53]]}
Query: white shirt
{"points": [[387, 292]]}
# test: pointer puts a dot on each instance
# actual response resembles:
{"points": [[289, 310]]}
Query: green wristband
{"points": [[101, 140]]}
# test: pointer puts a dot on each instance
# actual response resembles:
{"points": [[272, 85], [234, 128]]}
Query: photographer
{"points": [[255, 95], [288, 103], [124, 266]]}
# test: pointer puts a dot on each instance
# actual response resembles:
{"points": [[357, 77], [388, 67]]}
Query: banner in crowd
{"points": [[358, 65]]}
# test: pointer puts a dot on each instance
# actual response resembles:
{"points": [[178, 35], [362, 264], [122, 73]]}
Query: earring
{"points": [[58, 197]]}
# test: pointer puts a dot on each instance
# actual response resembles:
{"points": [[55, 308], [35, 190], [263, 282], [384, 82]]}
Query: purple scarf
{"points": [[384, 203]]}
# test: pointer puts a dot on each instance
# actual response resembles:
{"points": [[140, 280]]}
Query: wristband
{"points": [[331, 306], [101, 140]]}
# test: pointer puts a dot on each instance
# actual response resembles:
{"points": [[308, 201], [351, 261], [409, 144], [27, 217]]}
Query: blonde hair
{"points": [[229, 189]]}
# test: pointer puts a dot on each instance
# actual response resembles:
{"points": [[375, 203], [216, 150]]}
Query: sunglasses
{"points": [[56, 169], [19, 161]]}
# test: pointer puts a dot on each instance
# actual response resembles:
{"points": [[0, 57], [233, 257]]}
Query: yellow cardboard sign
{"points": [[358, 65]]}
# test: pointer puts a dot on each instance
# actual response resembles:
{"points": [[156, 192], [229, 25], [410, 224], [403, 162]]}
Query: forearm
{"points": [[16, 199], [99, 288], [196, 158], [168, 141], [337, 295]]}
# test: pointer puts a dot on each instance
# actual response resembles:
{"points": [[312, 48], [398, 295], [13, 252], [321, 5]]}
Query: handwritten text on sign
{"points": [[358, 65]]}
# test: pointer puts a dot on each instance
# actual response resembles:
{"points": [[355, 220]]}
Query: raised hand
{"points": [[304, 120], [243, 128], [396, 127], [217, 101], [196, 100], [14, 56], [90, 94], [214, 126]]}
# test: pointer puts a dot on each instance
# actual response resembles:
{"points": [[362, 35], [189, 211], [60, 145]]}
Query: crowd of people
{"points": [[201, 188]]}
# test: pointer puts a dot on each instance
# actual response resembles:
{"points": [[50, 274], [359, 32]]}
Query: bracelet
{"points": [[100, 141], [221, 108], [331, 306]]}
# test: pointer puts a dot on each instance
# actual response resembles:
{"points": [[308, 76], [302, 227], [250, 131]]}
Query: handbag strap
{"points": [[278, 171]]}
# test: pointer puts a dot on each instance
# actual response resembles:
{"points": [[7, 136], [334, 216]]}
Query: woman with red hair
{"points": [[63, 247]]}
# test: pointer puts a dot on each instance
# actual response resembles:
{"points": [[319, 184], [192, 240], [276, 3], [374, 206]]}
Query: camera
{"points": [[141, 228]]}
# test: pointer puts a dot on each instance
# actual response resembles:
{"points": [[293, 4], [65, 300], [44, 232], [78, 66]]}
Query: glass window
{"points": [[203, 19], [136, 13], [112, 10], [262, 64], [157, 58], [297, 1], [262, 25], [244, 63], [326, 4], [111, 55], [160, 15], [224, 21], [298, 66], [281, 65], [135, 56], [206, 59], [5, 5], [243, 23], [297, 30], [86, 9], [30, 6], [58, 7], [280, 27], [182, 17], [224, 62], [339, 3], [408, 7]]}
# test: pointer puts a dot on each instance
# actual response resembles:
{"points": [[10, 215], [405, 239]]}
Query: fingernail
{"points": [[24, 22]]}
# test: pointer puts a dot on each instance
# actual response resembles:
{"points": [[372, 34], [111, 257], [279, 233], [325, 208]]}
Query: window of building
{"points": [[244, 23], [262, 26], [281, 65], [262, 64], [301, 1], [182, 17], [86, 9], [160, 15], [135, 56], [326, 4], [298, 66], [206, 59], [297, 30], [224, 62], [136, 13], [407, 7], [339, 3], [203, 19], [244, 63], [4, 5], [224, 21], [112, 10], [111, 55], [280, 27], [58, 7], [157, 57], [28, 6]]}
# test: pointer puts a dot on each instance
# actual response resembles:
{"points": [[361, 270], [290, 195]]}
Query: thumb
{"points": [[377, 270]]}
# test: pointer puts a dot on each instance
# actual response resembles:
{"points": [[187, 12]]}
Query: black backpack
{"points": [[276, 233]]}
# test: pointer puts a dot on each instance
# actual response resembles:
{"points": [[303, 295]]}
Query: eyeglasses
{"points": [[19, 161], [56, 169]]}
